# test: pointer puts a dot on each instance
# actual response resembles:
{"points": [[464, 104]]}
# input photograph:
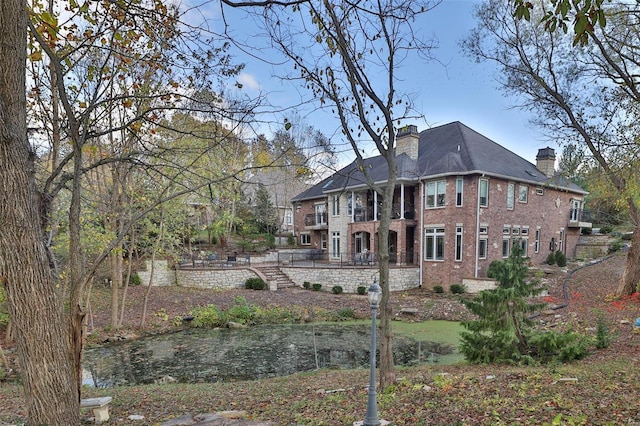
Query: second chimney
{"points": [[546, 161], [407, 141]]}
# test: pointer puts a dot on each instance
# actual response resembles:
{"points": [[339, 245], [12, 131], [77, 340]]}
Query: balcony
{"points": [[316, 221], [579, 218]]}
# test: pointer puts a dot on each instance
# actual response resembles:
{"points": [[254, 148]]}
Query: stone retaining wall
{"points": [[593, 246], [214, 278], [351, 279], [162, 275], [476, 285]]}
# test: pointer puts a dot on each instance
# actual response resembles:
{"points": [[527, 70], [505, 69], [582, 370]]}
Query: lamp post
{"points": [[371, 418]]}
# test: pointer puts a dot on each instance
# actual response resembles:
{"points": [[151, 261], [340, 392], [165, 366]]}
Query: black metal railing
{"points": [[580, 215], [322, 258], [315, 219], [214, 260]]}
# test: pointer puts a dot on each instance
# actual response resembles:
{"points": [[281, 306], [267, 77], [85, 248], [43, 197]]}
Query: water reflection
{"points": [[199, 355]]}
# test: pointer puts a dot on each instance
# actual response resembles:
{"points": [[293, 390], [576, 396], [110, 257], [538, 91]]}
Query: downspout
{"points": [[475, 273], [421, 251]]}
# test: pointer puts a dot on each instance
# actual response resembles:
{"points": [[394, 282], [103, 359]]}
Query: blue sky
{"points": [[454, 88]]}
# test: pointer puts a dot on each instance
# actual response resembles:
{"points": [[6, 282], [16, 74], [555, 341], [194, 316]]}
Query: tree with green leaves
{"points": [[586, 94], [349, 58], [504, 332], [100, 72]]}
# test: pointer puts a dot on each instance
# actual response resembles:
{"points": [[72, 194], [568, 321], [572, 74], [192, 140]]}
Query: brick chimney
{"points": [[407, 141], [546, 161]]}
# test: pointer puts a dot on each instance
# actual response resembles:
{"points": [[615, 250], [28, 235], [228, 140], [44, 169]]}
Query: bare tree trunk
{"points": [[631, 277], [127, 280], [387, 369], [155, 248], [41, 335], [115, 261]]}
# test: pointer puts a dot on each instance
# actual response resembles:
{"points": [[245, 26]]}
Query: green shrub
{"points": [[336, 289], [306, 285], [255, 283], [456, 288], [494, 269], [561, 259], [554, 346], [603, 334], [241, 311], [209, 316], [362, 290], [615, 246], [344, 314], [551, 259], [291, 240], [586, 231], [438, 289], [135, 279], [316, 287], [606, 229]]}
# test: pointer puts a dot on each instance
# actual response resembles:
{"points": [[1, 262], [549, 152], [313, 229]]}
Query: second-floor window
{"points": [[511, 190], [435, 194], [321, 214], [484, 193], [523, 193], [459, 187], [335, 206], [288, 217]]}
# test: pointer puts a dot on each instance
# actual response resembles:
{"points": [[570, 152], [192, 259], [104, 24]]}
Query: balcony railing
{"points": [[315, 258], [315, 219], [579, 215], [365, 214]]}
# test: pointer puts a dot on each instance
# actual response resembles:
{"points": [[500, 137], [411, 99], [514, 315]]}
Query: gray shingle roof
{"points": [[450, 149]]}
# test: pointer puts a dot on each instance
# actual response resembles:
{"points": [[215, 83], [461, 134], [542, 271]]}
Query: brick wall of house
{"points": [[548, 212]]}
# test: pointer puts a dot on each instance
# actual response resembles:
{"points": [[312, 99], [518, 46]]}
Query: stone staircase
{"points": [[274, 274]]}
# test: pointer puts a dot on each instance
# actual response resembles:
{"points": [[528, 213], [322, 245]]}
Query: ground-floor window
{"points": [[434, 243], [305, 239], [335, 244], [323, 241], [506, 246], [458, 243], [537, 241], [482, 248]]}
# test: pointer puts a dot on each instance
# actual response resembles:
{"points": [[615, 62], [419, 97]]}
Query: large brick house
{"points": [[460, 202]]}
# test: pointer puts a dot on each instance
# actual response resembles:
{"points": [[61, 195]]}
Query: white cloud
{"points": [[248, 81]]}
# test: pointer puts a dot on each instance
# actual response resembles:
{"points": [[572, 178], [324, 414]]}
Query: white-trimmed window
{"points": [[524, 231], [305, 239], [323, 241], [484, 193], [288, 217], [459, 189], [524, 245], [539, 191], [523, 193], [335, 206], [483, 244], [511, 194], [515, 230], [483, 230], [458, 248], [561, 240], [435, 194], [350, 203], [506, 230], [537, 241], [335, 244], [506, 246], [321, 214], [434, 243]]}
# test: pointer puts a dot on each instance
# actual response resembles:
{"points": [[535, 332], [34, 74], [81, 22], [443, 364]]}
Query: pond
{"points": [[199, 355]]}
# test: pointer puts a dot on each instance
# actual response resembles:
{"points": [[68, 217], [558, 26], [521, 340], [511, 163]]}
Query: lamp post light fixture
{"points": [[371, 418]]}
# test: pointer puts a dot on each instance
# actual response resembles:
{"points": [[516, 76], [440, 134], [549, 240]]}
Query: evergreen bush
{"points": [[438, 289], [255, 283], [457, 288], [336, 289], [561, 259], [362, 290], [504, 332], [551, 259], [316, 286], [306, 285]]}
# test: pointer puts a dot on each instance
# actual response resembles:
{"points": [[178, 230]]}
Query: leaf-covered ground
{"points": [[603, 389]]}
